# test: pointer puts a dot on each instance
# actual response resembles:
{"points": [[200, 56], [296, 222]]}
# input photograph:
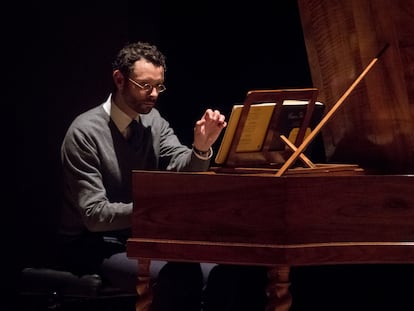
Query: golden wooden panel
{"points": [[374, 128]]}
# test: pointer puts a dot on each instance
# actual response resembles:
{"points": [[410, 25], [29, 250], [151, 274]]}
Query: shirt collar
{"points": [[120, 118]]}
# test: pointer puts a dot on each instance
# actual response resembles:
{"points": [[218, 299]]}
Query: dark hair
{"points": [[132, 52]]}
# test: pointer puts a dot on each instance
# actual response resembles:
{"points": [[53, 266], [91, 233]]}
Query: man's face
{"points": [[141, 89]]}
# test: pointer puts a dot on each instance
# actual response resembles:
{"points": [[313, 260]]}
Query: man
{"points": [[100, 149]]}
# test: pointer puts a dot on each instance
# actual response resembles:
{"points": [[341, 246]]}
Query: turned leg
{"points": [[278, 292], [144, 286]]}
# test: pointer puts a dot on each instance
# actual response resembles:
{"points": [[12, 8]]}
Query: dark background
{"points": [[216, 51]]}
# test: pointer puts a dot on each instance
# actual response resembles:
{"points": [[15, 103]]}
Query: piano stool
{"points": [[50, 289]]}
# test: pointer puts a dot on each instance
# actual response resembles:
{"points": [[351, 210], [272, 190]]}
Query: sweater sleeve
{"points": [[174, 156]]}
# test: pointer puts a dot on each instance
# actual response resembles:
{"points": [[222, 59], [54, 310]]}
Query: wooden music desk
{"points": [[279, 222]]}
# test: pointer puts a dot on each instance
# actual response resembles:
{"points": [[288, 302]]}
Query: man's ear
{"points": [[119, 78]]}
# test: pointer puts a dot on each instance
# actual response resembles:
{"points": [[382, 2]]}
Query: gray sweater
{"points": [[97, 164]]}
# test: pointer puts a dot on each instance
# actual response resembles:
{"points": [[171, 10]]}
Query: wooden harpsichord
{"points": [[306, 219]]}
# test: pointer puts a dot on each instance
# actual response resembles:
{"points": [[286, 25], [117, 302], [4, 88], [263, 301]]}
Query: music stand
{"points": [[270, 156]]}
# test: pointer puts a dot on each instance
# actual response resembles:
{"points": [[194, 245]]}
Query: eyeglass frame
{"points": [[146, 86]]}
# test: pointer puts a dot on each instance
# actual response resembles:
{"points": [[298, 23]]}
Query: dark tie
{"points": [[135, 135]]}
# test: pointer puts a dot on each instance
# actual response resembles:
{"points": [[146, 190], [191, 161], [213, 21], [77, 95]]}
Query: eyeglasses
{"points": [[148, 87]]}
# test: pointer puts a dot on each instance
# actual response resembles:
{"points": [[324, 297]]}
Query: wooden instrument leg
{"points": [[144, 286], [279, 297]]}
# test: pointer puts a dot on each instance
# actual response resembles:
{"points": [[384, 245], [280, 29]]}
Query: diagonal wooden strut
{"points": [[292, 147], [326, 118]]}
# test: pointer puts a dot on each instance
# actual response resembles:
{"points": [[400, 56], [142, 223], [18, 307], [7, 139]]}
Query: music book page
{"points": [[253, 133]]}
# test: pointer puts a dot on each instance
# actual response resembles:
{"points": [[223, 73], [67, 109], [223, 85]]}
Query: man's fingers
{"points": [[215, 116]]}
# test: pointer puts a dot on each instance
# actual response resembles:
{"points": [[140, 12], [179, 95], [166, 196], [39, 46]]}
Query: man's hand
{"points": [[208, 129]]}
